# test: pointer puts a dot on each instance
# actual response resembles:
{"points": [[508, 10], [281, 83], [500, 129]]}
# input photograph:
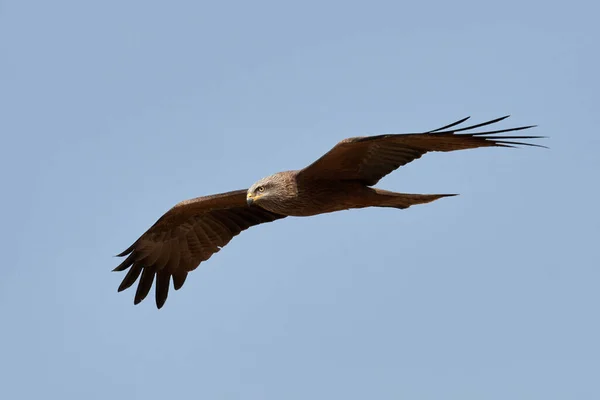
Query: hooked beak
{"points": [[251, 198]]}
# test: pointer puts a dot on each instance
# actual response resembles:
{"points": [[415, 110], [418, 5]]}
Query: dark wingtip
{"points": [[179, 280], [125, 285], [527, 127], [163, 281], [486, 123], [125, 264], [515, 145], [126, 251], [460, 121]]}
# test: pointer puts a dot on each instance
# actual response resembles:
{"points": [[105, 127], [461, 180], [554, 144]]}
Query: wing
{"points": [[186, 235], [370, 158]]}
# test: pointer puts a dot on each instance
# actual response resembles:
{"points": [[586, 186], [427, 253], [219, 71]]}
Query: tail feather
{"points": [[404, 200]]}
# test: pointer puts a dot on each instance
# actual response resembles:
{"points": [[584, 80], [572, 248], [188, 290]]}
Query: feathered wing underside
{"points": [[186, 235], [370, 158]]}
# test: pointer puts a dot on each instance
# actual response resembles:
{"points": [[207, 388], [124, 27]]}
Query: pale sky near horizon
{"points": [[112, 112]]}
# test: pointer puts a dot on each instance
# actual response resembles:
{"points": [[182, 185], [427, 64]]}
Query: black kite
{"points": [[193, 230]]}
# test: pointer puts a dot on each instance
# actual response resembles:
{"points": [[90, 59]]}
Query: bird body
{"points": [[300, 196], [343, 178], [303, 197]]}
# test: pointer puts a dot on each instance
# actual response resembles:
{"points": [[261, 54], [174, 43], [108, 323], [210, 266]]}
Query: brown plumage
{"points": [[193, 230]]}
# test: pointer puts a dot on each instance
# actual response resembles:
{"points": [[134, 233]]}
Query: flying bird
{"points": [[343, 178]]}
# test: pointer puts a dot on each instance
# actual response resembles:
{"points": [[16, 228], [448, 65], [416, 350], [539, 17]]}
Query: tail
{"points": [[383, 198]]}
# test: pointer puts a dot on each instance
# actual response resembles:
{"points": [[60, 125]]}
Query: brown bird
{"points": [[193, 230]]}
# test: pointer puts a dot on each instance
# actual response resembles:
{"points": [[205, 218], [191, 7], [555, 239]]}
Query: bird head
{"points": [[260, 191], [273, 193]]}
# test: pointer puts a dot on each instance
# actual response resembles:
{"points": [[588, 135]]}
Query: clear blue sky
{"points": [[113, 111]]}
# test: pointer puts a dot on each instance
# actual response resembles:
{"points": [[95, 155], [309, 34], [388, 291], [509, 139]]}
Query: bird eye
{"points": [[260, 189]]}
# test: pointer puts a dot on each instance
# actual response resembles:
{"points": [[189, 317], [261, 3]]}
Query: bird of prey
{"points": [[343, 178]]}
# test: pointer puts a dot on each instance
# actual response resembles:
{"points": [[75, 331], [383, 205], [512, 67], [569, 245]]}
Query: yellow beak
{"points": [[252, 197]]}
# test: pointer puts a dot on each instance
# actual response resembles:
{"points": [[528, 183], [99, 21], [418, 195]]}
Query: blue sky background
{"points": [[112, 112]]}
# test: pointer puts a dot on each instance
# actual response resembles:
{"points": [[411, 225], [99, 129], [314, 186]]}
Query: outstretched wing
{"points": [[186, 235], [370, 158]]}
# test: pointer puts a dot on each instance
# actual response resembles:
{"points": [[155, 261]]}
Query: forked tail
{"points": [[385, 198]]}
